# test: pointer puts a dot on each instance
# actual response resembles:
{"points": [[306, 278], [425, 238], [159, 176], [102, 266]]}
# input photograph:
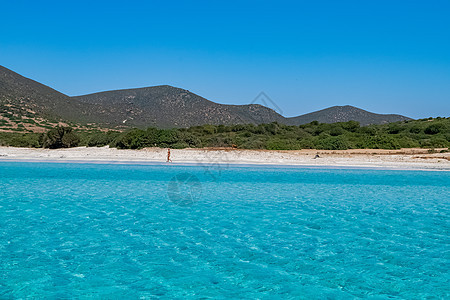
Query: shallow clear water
{"points": [[140, 231]]}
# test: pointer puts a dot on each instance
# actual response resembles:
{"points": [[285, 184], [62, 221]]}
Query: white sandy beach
{"points": [[417, 159]]}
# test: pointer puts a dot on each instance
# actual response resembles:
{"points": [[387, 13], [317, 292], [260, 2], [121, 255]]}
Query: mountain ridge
{"points": [[162, 106], [344, 113]]}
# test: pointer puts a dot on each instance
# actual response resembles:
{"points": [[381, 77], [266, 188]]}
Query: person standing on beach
{"points": [[168, 155]]}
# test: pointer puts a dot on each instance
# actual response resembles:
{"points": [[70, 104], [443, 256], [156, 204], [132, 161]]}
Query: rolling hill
{"points": [[345, 113], [167, 106], [27, 103]]}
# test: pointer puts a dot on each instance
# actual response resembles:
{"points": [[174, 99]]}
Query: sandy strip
{"points": [[403, 159]]}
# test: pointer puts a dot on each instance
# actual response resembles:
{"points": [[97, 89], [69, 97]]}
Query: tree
{"points": [[60, 137], [434, 129], [333, 143], [351, 126]]}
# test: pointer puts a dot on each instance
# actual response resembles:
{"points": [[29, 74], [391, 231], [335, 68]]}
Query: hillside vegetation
{"points": [[426, 133], [25, 103], [344, 114]]}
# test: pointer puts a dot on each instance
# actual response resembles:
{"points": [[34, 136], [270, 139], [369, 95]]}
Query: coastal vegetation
{"points": [[425, 133]]}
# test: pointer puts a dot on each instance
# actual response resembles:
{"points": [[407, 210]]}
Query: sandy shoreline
{"points": [[414, 159]]}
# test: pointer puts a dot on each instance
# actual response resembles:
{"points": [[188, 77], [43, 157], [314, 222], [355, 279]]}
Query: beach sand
{"points": [[414, 158]]}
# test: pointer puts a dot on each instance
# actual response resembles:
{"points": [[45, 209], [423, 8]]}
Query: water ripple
{"points": [[111, 231]]}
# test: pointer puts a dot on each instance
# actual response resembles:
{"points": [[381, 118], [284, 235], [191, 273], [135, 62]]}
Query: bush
{"points": [[189, 139], [407, 142], [60, 137], [424, 133], [351, 126], [435, 142], [434, 129], [101, 139], [167, 137], [282, 144], [368, 130], [337, 131], [180, 145], [379, 142], [333, 143], [394, 128], [307, 143], [415, 129], [272, 128], [134, 139], [30, 140]]}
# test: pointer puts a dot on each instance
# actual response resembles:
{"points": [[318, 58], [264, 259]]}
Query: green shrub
{"points": [[394, 128], [423, 133], [435, 142], [379, 142], [368, 130], [337, 131], [61, 137], [101, 139], [180, 145], [282, 144], [407, 142], [434, 129], [415, 129], [333, 143], [351, 126], [167, 137], [133, 139]]}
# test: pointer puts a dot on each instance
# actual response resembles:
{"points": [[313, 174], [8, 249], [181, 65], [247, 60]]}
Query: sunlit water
{"points": [[128, 231]]}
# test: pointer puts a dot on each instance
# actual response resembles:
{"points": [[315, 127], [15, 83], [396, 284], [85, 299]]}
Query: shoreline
{"points": [[402, 159], [229, 165]]}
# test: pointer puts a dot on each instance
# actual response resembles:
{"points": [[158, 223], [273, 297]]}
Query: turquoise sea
{"points": [[111, 231]]}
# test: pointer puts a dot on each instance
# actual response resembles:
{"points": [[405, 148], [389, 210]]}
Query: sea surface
{"points": [[111, 231]]}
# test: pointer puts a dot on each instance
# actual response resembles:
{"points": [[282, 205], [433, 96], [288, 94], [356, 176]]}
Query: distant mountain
{"points": [[344, 114], [160, 106], [167, 106]]}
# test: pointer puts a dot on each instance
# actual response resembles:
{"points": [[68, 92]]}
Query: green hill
{"points": [[31, 106], [344, 114], [166, 106]]}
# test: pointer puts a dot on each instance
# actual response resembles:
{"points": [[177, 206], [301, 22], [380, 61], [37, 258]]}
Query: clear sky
{"points": [[383, 56]]}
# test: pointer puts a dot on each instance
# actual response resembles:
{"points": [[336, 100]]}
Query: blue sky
{"points": [[383, 56]]}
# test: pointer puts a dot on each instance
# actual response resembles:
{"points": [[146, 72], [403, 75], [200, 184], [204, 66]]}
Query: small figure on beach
{"points": [[317, 156], [168, 155]]}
